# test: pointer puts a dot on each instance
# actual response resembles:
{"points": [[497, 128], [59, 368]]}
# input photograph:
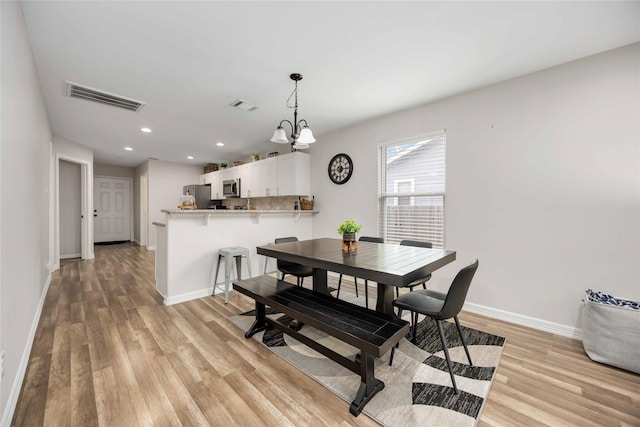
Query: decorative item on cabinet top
{"points": [[211, 167]]}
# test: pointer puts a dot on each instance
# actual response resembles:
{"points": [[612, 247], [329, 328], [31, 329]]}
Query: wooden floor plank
{"points": [[107, 352]]}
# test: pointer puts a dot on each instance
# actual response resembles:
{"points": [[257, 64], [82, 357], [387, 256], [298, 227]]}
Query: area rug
{"points": [[418, 387]]}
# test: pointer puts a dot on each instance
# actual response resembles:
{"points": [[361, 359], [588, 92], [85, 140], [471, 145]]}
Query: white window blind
{"points": [[411, 190]]}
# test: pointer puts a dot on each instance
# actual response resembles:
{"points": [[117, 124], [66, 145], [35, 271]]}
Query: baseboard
{"points": [[67, 256], [151, 248], [519, 319], [12, 399], [177, 299]]}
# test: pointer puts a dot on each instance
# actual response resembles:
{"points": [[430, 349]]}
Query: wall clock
{"points": [[340, 168]]}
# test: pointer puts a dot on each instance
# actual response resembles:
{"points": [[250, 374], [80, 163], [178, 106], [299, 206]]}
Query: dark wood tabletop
{"points": [[387, 264]]}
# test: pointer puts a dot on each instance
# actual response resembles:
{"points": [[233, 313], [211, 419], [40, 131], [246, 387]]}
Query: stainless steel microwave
{"points": [[231, 188]]}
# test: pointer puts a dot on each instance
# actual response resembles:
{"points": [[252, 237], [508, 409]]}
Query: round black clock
{"points": [[340, 168]]}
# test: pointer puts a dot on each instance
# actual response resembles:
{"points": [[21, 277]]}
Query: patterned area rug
{"points": [[417, 386]]}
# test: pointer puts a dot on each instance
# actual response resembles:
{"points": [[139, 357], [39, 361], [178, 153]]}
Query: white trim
{"points": [[12, 399], [86, 201], [530, 322], [68, 256], [177, 299], [151, 248]]}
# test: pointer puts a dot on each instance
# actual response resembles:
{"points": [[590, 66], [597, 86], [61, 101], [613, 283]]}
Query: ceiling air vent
{"points": [[75, 90], [243, 105]]}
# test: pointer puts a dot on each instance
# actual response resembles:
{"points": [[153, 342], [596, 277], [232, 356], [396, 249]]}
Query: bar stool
{"points": [[229, 254]]}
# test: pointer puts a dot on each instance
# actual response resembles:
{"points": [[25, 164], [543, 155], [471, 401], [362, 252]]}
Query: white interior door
{"points": [[112, 209], [70, 210]]}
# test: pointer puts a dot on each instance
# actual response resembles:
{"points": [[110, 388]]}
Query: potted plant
{"points": [[255, 157], [348, 229], [223, 165]]}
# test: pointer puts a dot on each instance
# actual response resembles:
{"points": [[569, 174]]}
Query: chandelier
{"points": [[300, 132]]}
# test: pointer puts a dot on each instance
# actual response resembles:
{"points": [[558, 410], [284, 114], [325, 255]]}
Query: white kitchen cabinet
{"points": [[216, 186], [293, 174], [205, 178], [285, 175], [269, 177], [249, 175]]}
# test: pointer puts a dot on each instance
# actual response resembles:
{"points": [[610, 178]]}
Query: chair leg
{"points": [[464, 342], [215, 279], [397, 292], [366, 293], [446, 354], [393, 349], [424, 285], [414, 322]]}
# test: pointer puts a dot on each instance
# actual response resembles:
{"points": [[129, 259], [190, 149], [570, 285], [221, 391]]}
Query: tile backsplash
{"points": [[283, 203]]}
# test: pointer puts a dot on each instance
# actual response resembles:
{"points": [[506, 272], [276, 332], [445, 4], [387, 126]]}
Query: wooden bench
{"points": [[373, 333]]}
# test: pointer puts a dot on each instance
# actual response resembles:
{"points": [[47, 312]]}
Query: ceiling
{"points": [[189, 60]]}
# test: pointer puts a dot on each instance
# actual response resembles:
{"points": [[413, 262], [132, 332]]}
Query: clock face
{"points": [[340, 168]]}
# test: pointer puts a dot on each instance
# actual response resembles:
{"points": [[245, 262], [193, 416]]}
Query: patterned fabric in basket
{"points": [[602, 298]]}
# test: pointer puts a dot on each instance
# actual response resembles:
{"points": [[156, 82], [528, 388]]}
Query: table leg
{"points": [[260, 323], [320, 281], [385, 299]]}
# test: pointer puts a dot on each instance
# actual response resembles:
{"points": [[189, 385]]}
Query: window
{"points": [[411, 190]]}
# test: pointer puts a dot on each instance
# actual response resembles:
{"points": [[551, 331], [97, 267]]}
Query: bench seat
{"points": [[371, 332]]}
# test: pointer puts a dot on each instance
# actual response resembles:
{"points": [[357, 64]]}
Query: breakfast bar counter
{"points": [[188, 241]]}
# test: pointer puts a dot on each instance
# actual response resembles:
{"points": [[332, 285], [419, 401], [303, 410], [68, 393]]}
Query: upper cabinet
{"points": [[285, 175], [293, 174]]}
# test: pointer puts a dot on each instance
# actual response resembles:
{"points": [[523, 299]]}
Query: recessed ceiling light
{"points": [[128, 148], [145, 130], [190, 157], [220, 144]]}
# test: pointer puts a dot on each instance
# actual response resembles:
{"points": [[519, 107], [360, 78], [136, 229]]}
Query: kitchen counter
{"points": [[188, 242], [233, 211]]}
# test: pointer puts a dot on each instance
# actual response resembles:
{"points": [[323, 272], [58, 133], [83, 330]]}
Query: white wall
{"points": [[25, 155], [112, 170], [70, 208], [543, 178], [166, 180]]}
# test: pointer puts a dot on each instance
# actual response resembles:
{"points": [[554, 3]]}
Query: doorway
{"points": [[85, 195], [70, 210]]}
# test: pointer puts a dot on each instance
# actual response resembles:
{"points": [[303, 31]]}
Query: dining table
{"points": [[389, 265]]}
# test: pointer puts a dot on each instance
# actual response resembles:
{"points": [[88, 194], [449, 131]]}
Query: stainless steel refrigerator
{"points": [[202, 194]]}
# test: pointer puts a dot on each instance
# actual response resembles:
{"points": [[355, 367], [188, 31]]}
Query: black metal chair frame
{"points": [[286, 267], [423, 280], [452, 303]]}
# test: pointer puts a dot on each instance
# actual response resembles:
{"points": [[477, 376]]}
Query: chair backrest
{"points": [[371, 239], [458, 292], [284, 264], [416, 243], [286, 239]]}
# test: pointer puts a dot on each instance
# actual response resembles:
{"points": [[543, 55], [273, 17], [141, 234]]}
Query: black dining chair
{"points": [[355, 279], [422, 280], [439, 307], [287, 267]]}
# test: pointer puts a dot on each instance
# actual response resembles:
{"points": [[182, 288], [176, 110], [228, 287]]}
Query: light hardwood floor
{"points": [[108, 353]]}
